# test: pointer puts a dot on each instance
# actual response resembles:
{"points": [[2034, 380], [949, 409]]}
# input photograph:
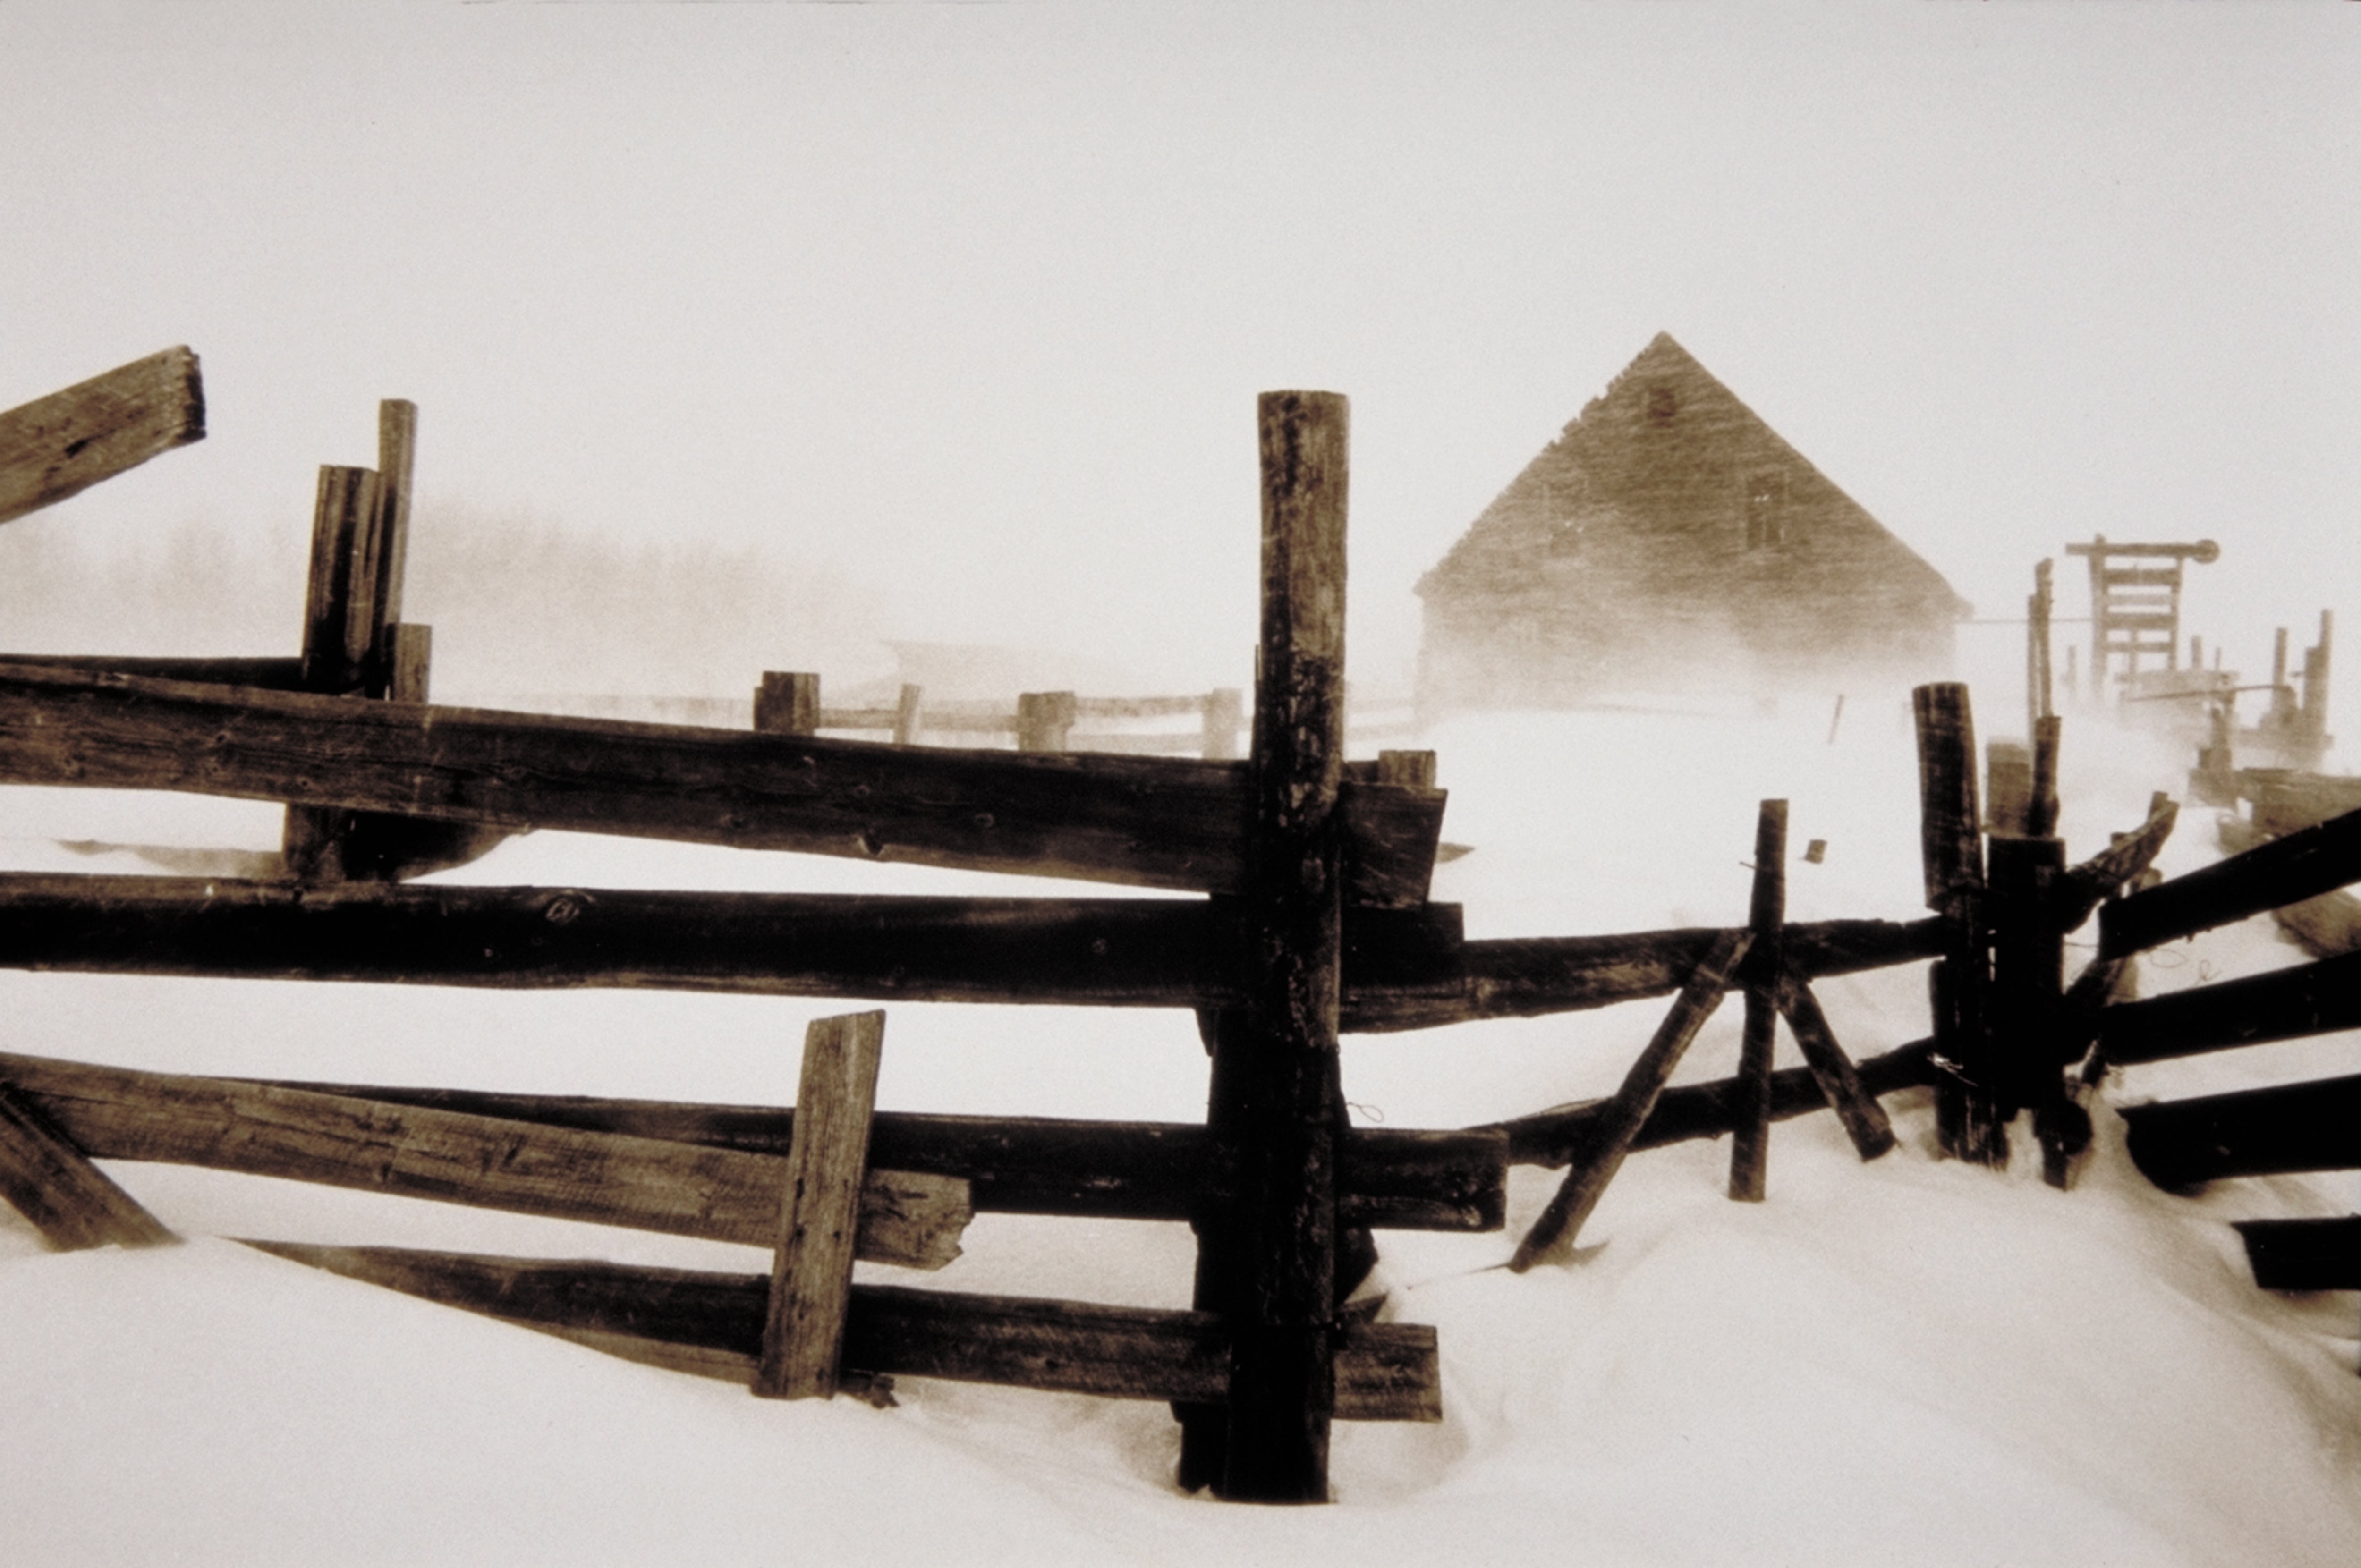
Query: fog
{"points": [[947, 322]]}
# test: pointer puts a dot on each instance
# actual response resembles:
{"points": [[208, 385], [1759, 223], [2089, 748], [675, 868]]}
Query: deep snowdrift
{"points": [[1908, 1362]]}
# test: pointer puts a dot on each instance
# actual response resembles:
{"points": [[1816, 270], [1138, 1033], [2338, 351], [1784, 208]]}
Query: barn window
{"points": [[1766, 510], [1662, 405]]}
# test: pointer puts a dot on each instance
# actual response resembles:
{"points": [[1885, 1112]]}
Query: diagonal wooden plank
{"points": [[1552, 1238], [1864, 1119], [2316, 998], [608, 1178], [1767, 912], [59, 445], [51, 1182]]}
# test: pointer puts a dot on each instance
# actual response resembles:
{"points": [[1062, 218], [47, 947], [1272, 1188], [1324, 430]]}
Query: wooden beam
{"points": [[50, 1181], [1118, 952], [811, 1268], [1387, 1178], [1766, 913], [1384, 1370], [1282, 1127], [1969, 1121], [2273, 1131], [606, 1179], [2304, 1255], [59, 445], [2304, 864], [284, 675], [2313, 999], [1864, 1119], [340, 643], [1552, 1235], [1156, 822]]}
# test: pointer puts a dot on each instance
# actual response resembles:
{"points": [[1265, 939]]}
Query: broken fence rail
{"points": [[2274, 1131], [59, 445]]}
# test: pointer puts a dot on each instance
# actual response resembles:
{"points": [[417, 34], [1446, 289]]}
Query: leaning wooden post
{"points": [[2038, 693], [340, 641], [1226, 711], [1553, 1236], [1282, 1377], [53, 1184], [1951, 850], [819, 1214], [787, 703], [1750, 1147], [1043, 720]]}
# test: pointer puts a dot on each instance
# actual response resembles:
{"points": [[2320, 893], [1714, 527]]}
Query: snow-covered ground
{"points": [[1913, 1360]]}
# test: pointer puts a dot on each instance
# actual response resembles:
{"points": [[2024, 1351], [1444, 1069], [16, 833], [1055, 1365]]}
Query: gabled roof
{"points": [[1612, 464]]}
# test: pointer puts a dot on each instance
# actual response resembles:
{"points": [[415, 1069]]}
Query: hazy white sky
{"points": [[973, 301]]}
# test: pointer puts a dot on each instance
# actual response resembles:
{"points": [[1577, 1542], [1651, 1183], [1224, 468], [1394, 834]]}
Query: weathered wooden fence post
{"points": [[787, 703], [1967, 1122], [1751, 1145], [1284, 1071], [2038, 693], [819, 1213], [1043, 720], [2028, 963], [48, 1179], [340, 636]]}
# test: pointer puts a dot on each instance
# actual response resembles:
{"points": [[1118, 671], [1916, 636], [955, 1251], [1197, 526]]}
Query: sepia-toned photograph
{"points": [[1197, 783]]}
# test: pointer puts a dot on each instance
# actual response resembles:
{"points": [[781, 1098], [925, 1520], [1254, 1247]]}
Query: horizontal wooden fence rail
{"points": [[712, 1323], [908, 1218], [283, 674], [1402, 969], [1524, 977], [2304, 1255], [2302, 865], [59, 445], [2285, 1004], [1154, 822], [1388, 1178], [2274, 1131], [1690, 1111]]}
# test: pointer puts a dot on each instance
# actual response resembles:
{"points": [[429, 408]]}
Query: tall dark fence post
{"points": [[1968, 1119], [1284, 1069], [1750, 1147], [340, 639]]}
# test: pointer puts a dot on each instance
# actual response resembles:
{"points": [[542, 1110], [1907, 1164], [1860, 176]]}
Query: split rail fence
{"points": [[1314, 920]]}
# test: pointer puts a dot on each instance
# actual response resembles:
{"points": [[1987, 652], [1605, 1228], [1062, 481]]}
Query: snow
{"points": [[1912, 1361]]}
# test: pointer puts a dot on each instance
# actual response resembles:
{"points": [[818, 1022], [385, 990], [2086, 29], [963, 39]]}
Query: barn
{"points": [[1669, 540]]}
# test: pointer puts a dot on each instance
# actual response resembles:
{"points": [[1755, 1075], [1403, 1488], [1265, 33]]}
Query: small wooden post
{"points": [[2282, 694], [1282, 1375], [1042, 721], [52, 1183], [828, 1154], [1951, 850], [1750, 1147], [410, 651], [787, 703], [2315, 686], [1553, 1236], [1224, 716], [906, 714], [2041, 810]]}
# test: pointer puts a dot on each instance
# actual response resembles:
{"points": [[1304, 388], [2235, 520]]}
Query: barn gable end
{"points": [[1669, 538]]}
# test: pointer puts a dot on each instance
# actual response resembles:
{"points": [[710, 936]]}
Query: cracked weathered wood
{"points": [[50, 1181], [1149, 821], [59, 445], [820, 1209], [418, 1152]]}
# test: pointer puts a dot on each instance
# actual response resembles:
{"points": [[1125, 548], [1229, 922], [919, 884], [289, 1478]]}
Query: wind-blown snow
{"points": [[1913, 1360]]}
